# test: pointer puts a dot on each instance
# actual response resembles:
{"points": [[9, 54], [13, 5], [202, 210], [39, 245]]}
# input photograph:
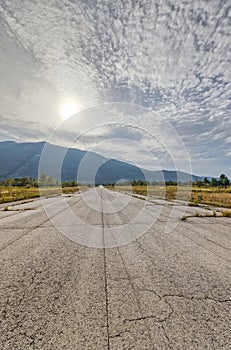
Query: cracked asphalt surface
{"points": [[160, 291]]}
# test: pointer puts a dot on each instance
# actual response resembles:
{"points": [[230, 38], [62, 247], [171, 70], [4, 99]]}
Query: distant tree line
{"points": [[43, 181], [146, 183], [21, 181], [143, 183], [47, 181], [222, 182]]}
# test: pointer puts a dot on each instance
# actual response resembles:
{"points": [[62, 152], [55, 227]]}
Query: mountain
{"points": [[22, 159]]}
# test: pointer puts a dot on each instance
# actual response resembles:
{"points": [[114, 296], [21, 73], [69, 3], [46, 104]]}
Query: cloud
{"points": [[169, 57]]}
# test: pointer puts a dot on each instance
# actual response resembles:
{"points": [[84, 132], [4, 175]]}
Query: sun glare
{"points": [[69, 108]]}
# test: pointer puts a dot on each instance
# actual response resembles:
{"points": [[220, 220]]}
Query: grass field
{"points": [[14, 193], [220, 197]]}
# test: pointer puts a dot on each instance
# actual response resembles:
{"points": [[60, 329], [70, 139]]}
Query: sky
{"points": [[171, 59]]}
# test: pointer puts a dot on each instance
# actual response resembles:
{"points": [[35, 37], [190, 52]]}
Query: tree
{"points": [[206, 181], [22, 181], [213, 182], [223, 180], [72, 183]]}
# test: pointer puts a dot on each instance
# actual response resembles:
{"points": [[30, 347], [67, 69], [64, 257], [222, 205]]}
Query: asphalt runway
{"points": [[98, 270]]}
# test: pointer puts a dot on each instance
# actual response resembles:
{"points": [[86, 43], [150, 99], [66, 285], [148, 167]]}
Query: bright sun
{"points": [[69, 108]]}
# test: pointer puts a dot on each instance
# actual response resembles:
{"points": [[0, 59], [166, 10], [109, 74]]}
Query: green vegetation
{"points": [[27, 188], [20, 182], [212, 193], [222, 182], [216, 193], [14, 193], [44, 181]]}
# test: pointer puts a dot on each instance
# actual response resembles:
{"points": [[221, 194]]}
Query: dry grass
{"points": [[226, 214], [220, 197], [168, 192], [13, 193]]}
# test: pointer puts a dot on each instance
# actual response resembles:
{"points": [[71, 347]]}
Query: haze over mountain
{"points": [[22, 159]]}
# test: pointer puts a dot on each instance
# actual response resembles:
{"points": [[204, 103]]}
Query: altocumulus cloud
{"points": [[171, 57]]}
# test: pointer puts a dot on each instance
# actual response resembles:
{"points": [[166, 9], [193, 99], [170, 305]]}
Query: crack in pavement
{"points": [[153, 317], [216, 243], [105, 273], [196, 298], [207, 297], [55, 293], [202, 246], [36, 227], [165, 296], [149, 317], [134, 292]]}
